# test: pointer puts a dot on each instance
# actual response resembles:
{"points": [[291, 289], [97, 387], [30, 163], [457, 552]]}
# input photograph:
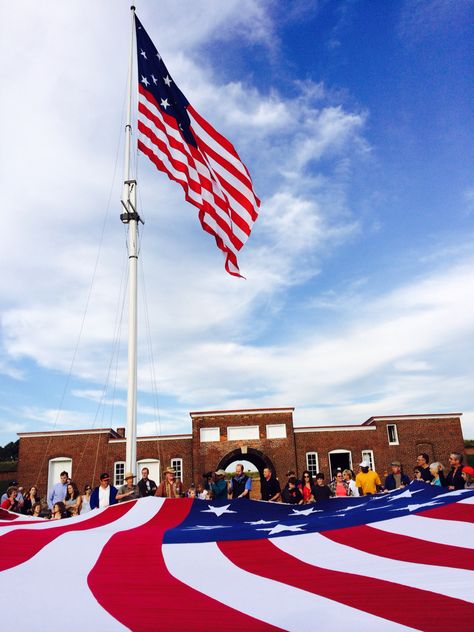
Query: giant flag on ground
{"points": [[398, 561], [180, 142]]}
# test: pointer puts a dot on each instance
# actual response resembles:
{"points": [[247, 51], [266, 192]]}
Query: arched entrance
{"points": [[255, 457]]}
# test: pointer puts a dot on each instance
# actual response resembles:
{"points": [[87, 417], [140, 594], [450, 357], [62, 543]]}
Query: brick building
{"points": [[264, 437]]}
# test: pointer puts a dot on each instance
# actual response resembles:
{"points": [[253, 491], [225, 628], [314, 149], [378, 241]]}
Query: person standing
{"points": [[340, 487], [240, 484], [306, 487], [105, 494], [128, 491], [454, 479], [86, 499], [170, 487], [396, 478], [367, 480], [321, 491], [270, 487], [146, 486], [219, 486], [59, 491], [348, 476], [423, 462], [73, 500], [11, 503], [292, 494]]}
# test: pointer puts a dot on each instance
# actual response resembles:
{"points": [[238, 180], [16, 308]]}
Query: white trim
{"points": [[232, 413], [339, 451], [243, 433], [115, 473], [66, 468], [317, 461], [333, 429], [371, 460], [59, 433], [275, 428], [167, 438], [178, 458], [424, 416], [397, 441]]}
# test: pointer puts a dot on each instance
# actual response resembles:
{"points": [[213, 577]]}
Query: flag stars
{"points": [[145, 81], [155, 80], [158, 55], [167, 80], [164, 103], [143, 54]]}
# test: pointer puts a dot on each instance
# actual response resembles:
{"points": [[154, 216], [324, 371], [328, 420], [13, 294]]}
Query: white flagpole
{"points": [[131, 217]]}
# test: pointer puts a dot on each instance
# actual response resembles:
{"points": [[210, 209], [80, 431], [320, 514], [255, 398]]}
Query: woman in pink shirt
{"points": [[340, 487]]}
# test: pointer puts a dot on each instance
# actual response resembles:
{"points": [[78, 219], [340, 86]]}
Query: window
{"points": [[276, 431], [368, 455], [210, 434], [312, 464], [119, 473], [177, 466], [392, 434], [236, 433]]}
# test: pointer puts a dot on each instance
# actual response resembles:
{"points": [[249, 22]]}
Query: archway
{"points": [[253, 456], [257, 458]]}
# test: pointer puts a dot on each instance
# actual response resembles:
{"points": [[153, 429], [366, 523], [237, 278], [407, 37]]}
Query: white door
{"points": [[153, 465], [56, 466]]}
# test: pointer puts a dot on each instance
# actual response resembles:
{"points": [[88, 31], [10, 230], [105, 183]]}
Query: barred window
{"points": [[177, 466], [312, 464], [119, 473]]}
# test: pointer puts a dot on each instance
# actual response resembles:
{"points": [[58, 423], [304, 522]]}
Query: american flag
{"points": [[398, 561], [180, 142]]}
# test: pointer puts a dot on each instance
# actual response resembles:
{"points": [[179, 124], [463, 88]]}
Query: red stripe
{"points": [[402, 547], [20, 545], [403, 604], [214, 134], [204, 204], [131, 581], [456, 511]]}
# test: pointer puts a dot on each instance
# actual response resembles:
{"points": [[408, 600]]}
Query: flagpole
{"points": [[131, 218]]}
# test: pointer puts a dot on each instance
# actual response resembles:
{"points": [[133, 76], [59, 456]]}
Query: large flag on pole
{"points": [[180, 142], [397, 561]]}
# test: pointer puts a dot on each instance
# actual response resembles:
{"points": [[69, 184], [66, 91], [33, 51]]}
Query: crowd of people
{"points": [[65, 500]]}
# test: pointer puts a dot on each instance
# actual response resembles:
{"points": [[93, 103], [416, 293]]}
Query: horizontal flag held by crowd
{"points": [[180, 142], [396, 561]]}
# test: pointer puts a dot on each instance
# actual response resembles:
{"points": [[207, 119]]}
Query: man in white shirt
{"points": [[103, 495]]}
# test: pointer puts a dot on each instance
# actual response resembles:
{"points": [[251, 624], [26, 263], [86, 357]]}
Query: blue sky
{"points": [[355, 120]]}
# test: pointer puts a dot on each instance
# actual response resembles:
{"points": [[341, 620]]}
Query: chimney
{"points": [[121, 432]]}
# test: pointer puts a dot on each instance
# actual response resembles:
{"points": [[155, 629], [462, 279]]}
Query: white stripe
{"points": [[201, 133], [205, 568], [467, 501], [54, 581], [435, 530], [317, 550]]}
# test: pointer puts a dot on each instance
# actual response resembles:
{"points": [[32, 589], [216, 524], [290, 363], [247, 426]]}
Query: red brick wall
{"points": [[208, 455]]}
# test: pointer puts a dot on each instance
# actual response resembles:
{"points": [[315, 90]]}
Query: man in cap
{"points": [[270, 487], [367, 480], [129, 491], [397, 478], [170, 487], [219, 486], [103, 495]]}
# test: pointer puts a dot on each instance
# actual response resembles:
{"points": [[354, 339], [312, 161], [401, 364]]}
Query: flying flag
{"points": [[396, 561], [180, 142]]}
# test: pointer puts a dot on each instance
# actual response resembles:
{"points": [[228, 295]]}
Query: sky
{"points": [[355, 121]]}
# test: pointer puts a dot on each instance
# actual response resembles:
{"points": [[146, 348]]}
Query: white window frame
{"points": [[308, 466], [394, 426], [331, 474], [173, 467], [276, 431], [149, 463], [368, 455], [243, 433], [116, 476], [206, 435]]}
